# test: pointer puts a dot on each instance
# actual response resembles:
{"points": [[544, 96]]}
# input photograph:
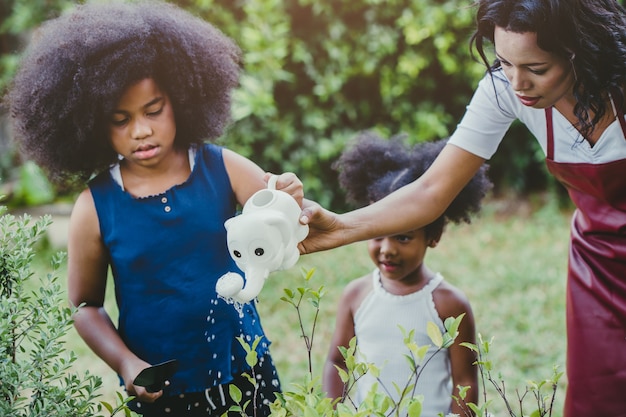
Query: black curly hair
{"points": [[589, 33], [78, 65], [374, 167]]}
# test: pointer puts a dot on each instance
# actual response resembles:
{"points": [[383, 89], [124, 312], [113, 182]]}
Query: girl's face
{"points": [[540, 79], [399, 257], [142, 127]]}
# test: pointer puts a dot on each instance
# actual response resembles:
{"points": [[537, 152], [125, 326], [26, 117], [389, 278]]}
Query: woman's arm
{"points": [[411, 207], [87, 276]]}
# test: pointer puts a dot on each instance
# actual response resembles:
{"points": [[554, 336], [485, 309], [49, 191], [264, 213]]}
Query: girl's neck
{"points": [[410, 284], [141, 181]]}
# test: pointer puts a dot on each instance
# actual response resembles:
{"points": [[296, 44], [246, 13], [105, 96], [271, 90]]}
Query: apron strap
{"points": [[550, 134], [618, 109]]}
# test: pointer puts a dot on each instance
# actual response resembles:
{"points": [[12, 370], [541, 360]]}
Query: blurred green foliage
{"points": [[23, 184], [17, 19], [318, 71]]}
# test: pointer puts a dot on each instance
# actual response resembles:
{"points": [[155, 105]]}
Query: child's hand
{"points": [[130, 370], [289, 183]]}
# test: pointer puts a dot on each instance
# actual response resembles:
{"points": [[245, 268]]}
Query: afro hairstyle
{"points": [[77, 67], [374, 167]]}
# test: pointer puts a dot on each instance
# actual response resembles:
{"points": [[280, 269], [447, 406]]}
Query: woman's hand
{"points": [[326, 231], [289, 183]]}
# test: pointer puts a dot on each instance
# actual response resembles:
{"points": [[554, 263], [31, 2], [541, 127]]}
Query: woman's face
{"points": [[540, 79]]}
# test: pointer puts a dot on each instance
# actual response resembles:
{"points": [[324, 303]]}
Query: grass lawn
{"points": [[511, 266]]}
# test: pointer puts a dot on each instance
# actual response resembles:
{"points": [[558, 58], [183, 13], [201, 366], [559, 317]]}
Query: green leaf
{"points": [[415, 408], [235, 393], [108, 406], [434, 334], [343, 375], [452, 324]]}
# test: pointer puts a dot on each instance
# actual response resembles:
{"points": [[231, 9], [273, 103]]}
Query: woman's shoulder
{"points": [[496, 89]]}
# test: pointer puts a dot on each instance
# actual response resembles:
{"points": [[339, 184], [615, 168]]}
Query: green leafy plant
{"points": [[408, 398], [538, 396], [36, 375], [234, 391], [307, 398]]}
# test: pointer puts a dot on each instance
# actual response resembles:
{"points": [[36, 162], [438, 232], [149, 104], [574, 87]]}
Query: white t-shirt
{"points": [[494, 107]]}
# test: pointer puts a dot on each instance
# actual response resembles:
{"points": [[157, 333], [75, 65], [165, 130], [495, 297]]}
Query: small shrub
{"points": [[36, 376], [538, 396]]}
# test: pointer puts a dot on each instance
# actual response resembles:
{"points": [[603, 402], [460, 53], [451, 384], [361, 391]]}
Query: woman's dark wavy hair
{"points": [[374, 167], [589, 33], [78, 65]]}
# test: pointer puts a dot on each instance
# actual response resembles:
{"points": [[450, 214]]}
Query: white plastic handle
{"points": [[271, 183]]}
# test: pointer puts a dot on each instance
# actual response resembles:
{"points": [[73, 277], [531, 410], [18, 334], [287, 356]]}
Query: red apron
{"points": [[596, 285]]}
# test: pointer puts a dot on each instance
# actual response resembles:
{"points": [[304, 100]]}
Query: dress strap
{"points": [[550, 134]]}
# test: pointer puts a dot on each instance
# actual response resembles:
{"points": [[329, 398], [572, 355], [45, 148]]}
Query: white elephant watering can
{"points": [[262, 239]]}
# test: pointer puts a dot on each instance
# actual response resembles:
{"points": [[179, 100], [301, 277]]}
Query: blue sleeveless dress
{"points": [[166, 254]]}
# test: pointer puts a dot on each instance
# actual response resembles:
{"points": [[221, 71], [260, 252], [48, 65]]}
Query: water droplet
{"points": [[238, 306]]}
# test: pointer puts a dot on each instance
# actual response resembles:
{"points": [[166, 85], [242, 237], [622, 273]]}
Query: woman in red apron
{"points": [[560, 64], [596, 286]]}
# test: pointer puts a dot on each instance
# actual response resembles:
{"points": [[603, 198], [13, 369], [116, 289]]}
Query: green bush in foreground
{"points": [[35, 367]]}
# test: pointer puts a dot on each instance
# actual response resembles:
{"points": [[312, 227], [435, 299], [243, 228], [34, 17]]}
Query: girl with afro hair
{"points": [[129, 96], [402, 291]]}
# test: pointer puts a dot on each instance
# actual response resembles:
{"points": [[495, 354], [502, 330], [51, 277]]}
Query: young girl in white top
{"points": [[402, 291]]}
